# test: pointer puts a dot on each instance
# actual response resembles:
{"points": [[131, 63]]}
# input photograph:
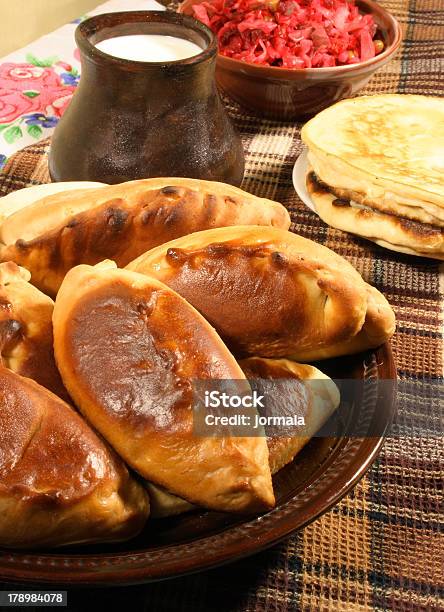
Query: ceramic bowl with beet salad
{"points": [[292, 58]]}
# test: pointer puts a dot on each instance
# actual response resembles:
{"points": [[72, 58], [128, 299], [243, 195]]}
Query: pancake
{"points": [[317, 405], [413, 212], [55, 233], [385, 145], [388, 230], [377, 170]]}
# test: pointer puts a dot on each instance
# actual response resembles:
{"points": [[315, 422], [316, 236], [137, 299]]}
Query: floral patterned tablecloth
{"points": [[38, 81]]}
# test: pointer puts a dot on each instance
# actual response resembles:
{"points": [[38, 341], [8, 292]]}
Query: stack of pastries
{"points": [[157, 284]]}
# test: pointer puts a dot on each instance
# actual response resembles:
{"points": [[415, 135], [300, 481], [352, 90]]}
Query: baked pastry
{"points": [[316, 398], [315, 401], [272, 293], [59, 483], [164, 504], [128, 349], [122, 221], [26, 342], [376, 170], [379, 326]]}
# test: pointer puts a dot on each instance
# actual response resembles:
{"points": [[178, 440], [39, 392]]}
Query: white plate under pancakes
{"points": [[299, 174]]}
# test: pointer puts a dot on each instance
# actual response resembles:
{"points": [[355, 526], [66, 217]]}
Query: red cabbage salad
{"points": [[292, 33]]}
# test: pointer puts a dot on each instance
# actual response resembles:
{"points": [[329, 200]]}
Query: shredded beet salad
{"points": [[291, 33]]}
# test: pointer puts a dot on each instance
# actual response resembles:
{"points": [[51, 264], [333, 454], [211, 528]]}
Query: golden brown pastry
{"points": [[21, 198], [315, 401], [59, 483], [379, 326], [122, 221], [163, 503], [26, 342], [271, 293], [128, 349]]}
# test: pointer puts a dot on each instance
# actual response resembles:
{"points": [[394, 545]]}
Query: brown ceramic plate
{"points": [[321, 475]]}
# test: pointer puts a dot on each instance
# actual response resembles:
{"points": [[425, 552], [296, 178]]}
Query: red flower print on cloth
{"points": [[59, 103], [23, 77], [27, 88], [13, 104]]}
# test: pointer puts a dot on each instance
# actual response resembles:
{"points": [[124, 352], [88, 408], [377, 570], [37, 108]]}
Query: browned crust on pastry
{"points": [[317, 405], [59, 483], [266, 291], [316, 400], [26, 339], [379, 326], [282, 450], [129, 349], [126, 220]]}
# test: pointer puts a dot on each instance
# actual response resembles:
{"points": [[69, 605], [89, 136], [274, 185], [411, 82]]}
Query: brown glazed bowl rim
{"points": [[344, 465], [94, 24], [278, 73]]}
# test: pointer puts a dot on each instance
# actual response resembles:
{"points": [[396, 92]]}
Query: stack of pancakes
{"points": [[376, 169]]}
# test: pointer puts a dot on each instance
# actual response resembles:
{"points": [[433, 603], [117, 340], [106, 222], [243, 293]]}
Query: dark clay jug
{"points": [[130, 119]]}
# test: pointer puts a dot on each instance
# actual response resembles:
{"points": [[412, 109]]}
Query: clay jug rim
{"points": [[87, 30]]}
